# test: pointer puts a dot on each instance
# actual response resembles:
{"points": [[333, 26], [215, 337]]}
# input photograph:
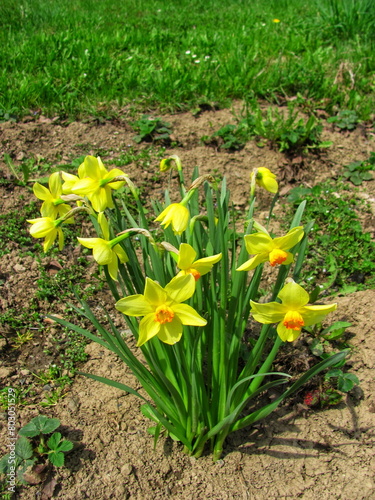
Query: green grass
{"points": [[79, 57]]}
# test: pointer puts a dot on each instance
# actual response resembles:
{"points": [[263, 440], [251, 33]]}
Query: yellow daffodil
{"points": [[292, 314], [164, 315], [188, 265], [177, 215], [276, 20], [47, 228], [266, 179], [274, 250], [53, 206], [95, 182], [106, 252]]}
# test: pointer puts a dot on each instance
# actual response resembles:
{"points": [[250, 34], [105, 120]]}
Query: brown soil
{"points": [[296, 453]]}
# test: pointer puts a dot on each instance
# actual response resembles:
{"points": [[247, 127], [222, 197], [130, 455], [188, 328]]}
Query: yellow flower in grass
{"points": [[47, 228], [292, 313], [106, 252], [53, 206], [188, 265], [265, 179], [164, 315], [177, 215], [273, 250], [94, 181]]}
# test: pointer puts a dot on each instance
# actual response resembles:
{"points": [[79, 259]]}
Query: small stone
{"points": [[126, 469], [19, 268], [6, 372]]}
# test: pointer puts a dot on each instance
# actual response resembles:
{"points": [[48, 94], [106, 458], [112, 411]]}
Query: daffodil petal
{"points": [[84, 186], [148, 328], [121, 254], [291, 239], [154, 293], [93, 167], [293, 296], [102, 253], [90, 242], [258, 243], [41, 192], [270, 312], [186, 256], [170, 333], [316, 313], [187, 315], [54, 183], [134, 305], [253, 262], [99, 200], [113, 267], [204, 265], [287, 334], [181, 288], [49, 240], [61, 238]]}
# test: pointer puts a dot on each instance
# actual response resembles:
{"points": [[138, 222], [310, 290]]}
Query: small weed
{"points": [[336, 380], [342, 257], [33, 454], [152, 130], [22, 338], [12, 229], [358, 171], [345, 120]]}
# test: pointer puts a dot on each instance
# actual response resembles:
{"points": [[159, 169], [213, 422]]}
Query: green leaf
{"points": [[57, 458], [54, 441], [346, 382], [336, 330], [39, 425], [23, 448]]}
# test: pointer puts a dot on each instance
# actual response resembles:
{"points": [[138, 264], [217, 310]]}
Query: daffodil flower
{"points": [[95, 182], [177, 215], [106, 252], [265, 179], [164, 315], [188, 265], [53, 206], [47, 228], [292, 314], [273, 250]]}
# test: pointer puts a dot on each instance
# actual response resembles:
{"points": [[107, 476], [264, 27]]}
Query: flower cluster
{"points": [[186, 282]]}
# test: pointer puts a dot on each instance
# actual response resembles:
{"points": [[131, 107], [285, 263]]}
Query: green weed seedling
{"points": [[34, 452], [345, 119], [231, 137], [336, 381], [152, 130], [359, 171]]}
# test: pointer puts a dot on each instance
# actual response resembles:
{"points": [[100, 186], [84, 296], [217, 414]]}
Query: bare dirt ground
{"points": [[296, 453]]}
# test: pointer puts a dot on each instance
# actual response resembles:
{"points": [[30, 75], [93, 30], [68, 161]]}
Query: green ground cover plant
{"points": [[283, 128], [344, 259], [84, 57]]}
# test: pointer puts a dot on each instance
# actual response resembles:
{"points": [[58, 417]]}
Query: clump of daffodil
{"points": [[164, 315], [53, 206], [292, 313], [106, 252], [49, 229], [274, 250], [188, 265], [95, 182], [265, 179]]}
